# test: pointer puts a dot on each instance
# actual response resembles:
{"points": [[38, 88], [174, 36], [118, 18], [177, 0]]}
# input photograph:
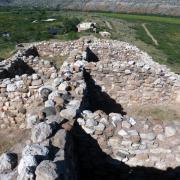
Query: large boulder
{"points": [[46, 170], [27, 162], [35, 150]]}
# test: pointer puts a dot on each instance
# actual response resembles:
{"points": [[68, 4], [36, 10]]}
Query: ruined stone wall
{"points": [[21, 77], [76, 135], [124, 72]]}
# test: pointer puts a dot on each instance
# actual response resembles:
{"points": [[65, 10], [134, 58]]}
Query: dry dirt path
{"points": [[149, 34], [108, 25]]}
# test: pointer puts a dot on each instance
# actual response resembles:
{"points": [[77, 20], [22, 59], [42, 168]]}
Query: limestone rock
{"points": [[25, 162], [44, 92], [126, 125], [59, 139], [100, 127], [170, 131], [27, 174], [41, 132], [36, 82], [69, 113], [8, 161], [35, 150], [148, 136], [11, 87], [46, 170], [115, 117], [31, 121], [48, 111]]}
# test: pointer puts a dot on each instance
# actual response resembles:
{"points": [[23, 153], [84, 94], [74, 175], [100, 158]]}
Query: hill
{"points": [[164, 7]]}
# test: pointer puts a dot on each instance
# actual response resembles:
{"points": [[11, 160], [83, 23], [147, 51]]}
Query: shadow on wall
{"points": [[92, 162], [100, 100], [91, 57], [19, 67]]}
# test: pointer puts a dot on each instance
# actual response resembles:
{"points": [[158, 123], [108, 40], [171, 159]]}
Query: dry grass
{"points": [[56, 60], [10, 137], [165, 113]]}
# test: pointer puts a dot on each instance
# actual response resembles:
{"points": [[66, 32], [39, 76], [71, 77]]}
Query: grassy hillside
{"points": [[166, 7], [124, 27]]}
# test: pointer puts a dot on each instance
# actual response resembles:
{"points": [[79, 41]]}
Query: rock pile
{"points": [[71, 130]]}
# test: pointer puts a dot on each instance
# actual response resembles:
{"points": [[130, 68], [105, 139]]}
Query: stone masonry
{"points": [[75, 114]]}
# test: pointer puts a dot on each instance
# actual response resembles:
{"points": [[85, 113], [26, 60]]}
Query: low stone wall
{"points": [[19, 86], [124, 72], [79, 130]]}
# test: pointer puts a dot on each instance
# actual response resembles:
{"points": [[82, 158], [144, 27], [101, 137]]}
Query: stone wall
{"points": [[79, 130], [124, 72]]}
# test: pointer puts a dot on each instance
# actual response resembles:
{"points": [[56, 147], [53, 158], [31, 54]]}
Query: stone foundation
{"points": [[79, 129]]}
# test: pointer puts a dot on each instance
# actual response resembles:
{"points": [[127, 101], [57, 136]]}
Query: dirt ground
{"points": [[12, 139]]}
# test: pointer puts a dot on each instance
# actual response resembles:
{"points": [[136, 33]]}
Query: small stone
{"points": [[122, 132], [59, 140], [57, 82], [149, 136], [49, 103], [127, 143], [46, 170], [170, 131], [26, 161], [132, 121], [31, 121], [68, 114], [35, 76], [37, 82], [63, 86], [53, 75], [100, 127], [88, 130], [91, 123], [115, 117], [11, 87], [22, 110], [59, 101], [27, 173], [134, 135], [35, 150], [126, 125], [127, 72], [158, 128], [87, 114], [44, 92], [161, 137], [49, 111], [67, 126], [41, 132], [109, 131], [81, 121]]}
